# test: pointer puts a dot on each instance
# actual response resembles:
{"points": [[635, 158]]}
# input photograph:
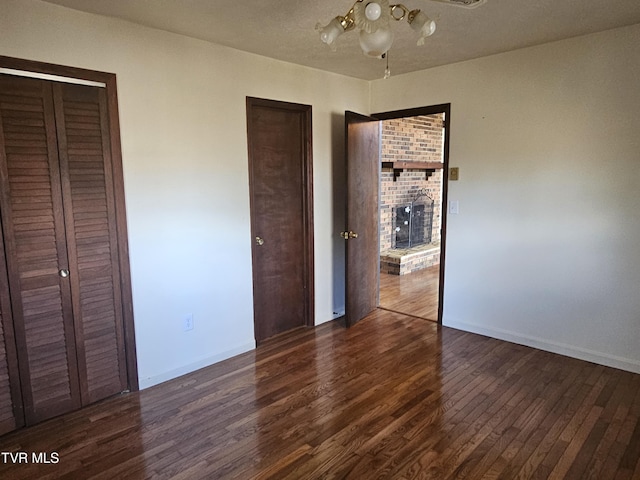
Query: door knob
{"points": [[64, 273], [348, 235], [259, 241]]}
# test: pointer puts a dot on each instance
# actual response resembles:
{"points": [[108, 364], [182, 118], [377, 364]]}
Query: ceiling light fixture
{"points": [[372, 19]]}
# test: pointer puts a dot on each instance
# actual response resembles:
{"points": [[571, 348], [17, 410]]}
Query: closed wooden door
{"points": [[92, 241], [279, 141], [35, 246], [61, 244], [362, 230]]}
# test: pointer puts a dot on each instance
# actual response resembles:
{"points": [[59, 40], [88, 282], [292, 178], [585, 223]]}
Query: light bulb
{"points": [[373, 11]]}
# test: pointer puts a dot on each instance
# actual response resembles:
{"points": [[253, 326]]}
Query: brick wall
{"points": [[415, 139]]}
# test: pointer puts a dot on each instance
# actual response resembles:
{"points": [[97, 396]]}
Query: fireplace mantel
{"points": [[428, 167]]}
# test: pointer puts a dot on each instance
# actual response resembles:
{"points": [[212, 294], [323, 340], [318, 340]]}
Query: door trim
{"points": [[431, 110], [109, 80], [307, 197]]}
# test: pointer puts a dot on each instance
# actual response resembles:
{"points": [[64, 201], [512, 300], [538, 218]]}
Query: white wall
{"points": [[183, 129], [543, 252], [546, 248]]}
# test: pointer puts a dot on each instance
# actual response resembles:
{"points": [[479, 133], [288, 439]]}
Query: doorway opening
{"points": [[413, 176]]}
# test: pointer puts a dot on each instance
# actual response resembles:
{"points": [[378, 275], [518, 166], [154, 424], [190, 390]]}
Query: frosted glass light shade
{"points": [[377, 43], [422, 24], [330, 32]]}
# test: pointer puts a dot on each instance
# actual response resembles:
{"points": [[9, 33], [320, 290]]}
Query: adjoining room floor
{"points": [[413, 294]]}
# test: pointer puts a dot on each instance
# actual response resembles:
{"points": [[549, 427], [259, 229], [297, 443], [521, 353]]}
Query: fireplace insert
{"points": [[414, 221]]}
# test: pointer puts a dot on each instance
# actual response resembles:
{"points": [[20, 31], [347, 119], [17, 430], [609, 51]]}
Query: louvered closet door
{"points": [[59, 227], [35, 249], [11, 414], [85, 162]]}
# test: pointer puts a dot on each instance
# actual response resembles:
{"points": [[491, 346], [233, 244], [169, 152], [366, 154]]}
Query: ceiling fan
{"points": [[371, 18]]}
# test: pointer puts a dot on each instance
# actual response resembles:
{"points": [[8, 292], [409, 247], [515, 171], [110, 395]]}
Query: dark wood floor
{"points": [[393, 397], [413, 294]]}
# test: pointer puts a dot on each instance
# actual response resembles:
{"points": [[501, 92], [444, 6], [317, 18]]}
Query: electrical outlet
{"points": [[188, 322]]}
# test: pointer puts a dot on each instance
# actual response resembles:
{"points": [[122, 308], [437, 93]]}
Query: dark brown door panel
{"points": [[281, 215]]}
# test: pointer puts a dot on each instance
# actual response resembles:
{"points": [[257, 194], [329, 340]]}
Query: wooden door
{"points": [[35, 249], [280, 182], [92, 242], [61, 243], [362, 252]]}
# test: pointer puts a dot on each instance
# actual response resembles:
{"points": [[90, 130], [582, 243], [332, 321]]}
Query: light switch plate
{"points": [[454, 173], [454, 207]]}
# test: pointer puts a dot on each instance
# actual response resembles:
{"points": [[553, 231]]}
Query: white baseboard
{"points": [[192, 367], [600, 358]]}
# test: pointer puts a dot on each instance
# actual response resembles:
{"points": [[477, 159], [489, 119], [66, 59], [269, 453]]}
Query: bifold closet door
{"points": [[58, 219], [35, 249], [89, 212]]}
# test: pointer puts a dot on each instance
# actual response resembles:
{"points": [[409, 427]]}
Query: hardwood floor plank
{"points": [[565, 463], [394, 397], [522, 456], [517, 418], [413, 294], [507, 413], [430, 436]]}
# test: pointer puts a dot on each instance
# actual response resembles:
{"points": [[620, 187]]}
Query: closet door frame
{"points": [[109, 80]]}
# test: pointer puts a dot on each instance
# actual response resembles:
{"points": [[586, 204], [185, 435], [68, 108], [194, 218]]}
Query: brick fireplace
{"points": [[412, 156]]}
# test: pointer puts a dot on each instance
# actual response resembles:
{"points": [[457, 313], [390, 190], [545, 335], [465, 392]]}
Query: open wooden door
{"points": [[362, 230]]}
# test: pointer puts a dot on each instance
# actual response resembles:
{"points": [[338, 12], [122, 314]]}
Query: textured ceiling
{"points": [[285, 30]]}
